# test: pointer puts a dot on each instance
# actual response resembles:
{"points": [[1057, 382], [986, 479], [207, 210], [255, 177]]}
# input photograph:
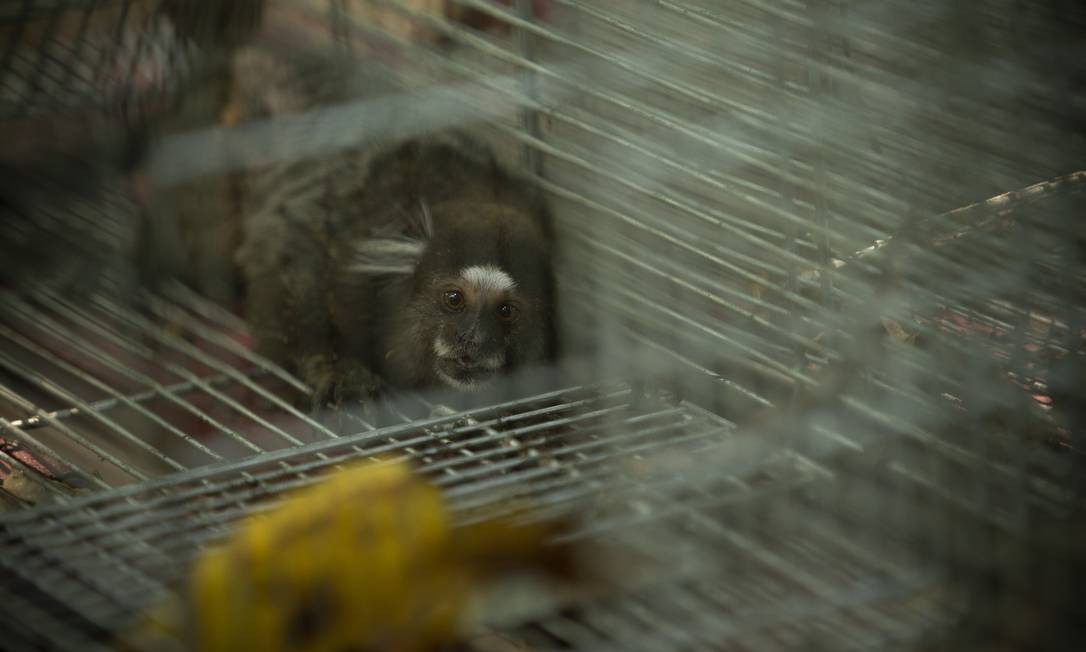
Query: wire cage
{"points": [[821, 299]]}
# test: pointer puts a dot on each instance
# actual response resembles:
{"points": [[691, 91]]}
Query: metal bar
{"points": [[228, 344], [730, 340], [698, 344], [116, 588], [40, 319], [230, 323], [221, 506], [731, 147], [265, 479], [107, 404], [68, 432], [63, 306], [749, 316], [689, 362], [796, 573], [702, 213], [246, 466], [44, 383], [529, 117], [701, 55], [176, 541], [580, 480], [227, 321], [36, 624], [517, 480]]}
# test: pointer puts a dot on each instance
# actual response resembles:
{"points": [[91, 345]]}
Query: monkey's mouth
{"points": [[463, 376]]}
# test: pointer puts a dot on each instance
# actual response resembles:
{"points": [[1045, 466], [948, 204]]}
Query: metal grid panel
{"points": [[557, 449], [106, 394]]}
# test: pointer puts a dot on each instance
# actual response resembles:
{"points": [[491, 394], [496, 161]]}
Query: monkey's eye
{"points": [[454, 300], [507, 312]]}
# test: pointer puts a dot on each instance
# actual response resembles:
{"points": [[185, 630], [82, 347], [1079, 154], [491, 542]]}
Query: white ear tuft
{"points": [[386, 256], [395, 248], [427, 226]]}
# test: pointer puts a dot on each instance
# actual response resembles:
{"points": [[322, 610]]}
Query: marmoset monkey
{"points": [[421, 263], [405, 262]]}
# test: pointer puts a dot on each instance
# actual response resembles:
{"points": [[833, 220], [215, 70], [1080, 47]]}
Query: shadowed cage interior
{"points": [[821, 301]]}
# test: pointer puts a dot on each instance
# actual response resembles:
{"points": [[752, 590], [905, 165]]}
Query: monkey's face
{"points": [[474, 331], [482, 293]]}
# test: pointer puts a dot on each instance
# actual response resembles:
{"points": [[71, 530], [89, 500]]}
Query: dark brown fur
{"points": [[348, 332]]}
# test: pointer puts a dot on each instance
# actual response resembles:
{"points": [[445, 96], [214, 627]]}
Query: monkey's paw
{"points": [[339, 383]]}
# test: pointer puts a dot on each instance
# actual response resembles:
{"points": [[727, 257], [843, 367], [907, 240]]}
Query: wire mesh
{"points": [[557, 446], [69, 56], [830, 248], [109, 394]]}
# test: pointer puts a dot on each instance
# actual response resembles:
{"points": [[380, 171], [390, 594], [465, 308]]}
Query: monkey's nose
{"points": [[465, 360]]}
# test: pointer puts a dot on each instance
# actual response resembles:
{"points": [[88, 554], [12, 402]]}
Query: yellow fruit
{"points": [[366, 558]]}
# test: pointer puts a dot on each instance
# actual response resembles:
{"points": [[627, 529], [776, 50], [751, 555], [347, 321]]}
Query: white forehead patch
{"points": [[488, 278]]}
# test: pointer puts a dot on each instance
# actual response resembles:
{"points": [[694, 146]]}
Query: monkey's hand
{"points": [[338, 382]]}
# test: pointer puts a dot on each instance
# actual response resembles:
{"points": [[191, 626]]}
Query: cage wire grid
{"points": [[131, 56], [778, 209], [145, 531]]}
